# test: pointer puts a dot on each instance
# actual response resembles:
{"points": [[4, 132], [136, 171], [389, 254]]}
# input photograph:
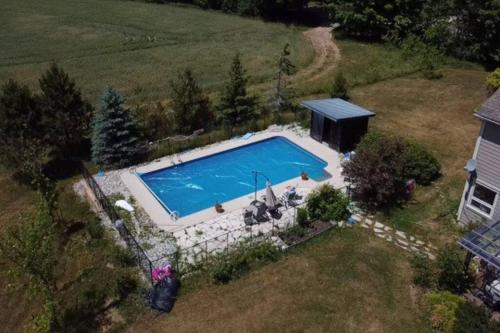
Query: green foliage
{"points": [[420, 165], [303, 217], [225, 268], [466, 29], [374, 20], [472, 318], [30, 251], [493, 81], [340, 87], [191, 106], [428, 58], [382, 165], [424, 272], [282, 100], [453, 276], [236, 106], [443, 309], [155, 122], [327, 204], [66, 114], [115, 140], [22, 140], [377, 171]]}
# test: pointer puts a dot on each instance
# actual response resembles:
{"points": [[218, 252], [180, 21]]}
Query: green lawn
{"points": [[136, 47], [439, 115], [345, 281]]}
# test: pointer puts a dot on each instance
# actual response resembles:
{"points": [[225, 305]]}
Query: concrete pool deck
{"points": [[165, 221]]}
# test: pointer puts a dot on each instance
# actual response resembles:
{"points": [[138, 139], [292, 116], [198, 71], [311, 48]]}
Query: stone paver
{"points": [[396, 237]]}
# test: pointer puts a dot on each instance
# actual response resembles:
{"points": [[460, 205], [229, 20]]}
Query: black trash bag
{"points": [[164, 294]]}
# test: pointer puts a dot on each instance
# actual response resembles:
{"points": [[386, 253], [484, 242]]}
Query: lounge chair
{"points": [[255, 213], [290, 198]]}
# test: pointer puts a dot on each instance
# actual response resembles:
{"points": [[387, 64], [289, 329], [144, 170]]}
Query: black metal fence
{"points": [[198, 254], [140, 256]]}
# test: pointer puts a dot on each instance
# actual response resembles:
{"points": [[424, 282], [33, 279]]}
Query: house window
{"points": [[483, 199]]}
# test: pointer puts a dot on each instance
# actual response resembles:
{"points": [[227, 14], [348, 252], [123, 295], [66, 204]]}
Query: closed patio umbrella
{"points": [[271, 201]]}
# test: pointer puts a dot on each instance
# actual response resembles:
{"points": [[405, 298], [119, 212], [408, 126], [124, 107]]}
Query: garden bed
{"points": [[297, 234]]}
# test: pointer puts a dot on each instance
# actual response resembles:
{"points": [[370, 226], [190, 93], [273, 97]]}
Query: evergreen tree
{"points": [[283, 93], [115, 140], [236, 106], [339, 89], [67, 114], [21, 129], [190, 105]]}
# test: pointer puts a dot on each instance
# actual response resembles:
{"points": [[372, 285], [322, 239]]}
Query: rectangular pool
{"points": [[199, 184]]}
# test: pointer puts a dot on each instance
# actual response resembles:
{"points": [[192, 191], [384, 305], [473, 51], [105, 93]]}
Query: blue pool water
{"points": [[199, 184]]}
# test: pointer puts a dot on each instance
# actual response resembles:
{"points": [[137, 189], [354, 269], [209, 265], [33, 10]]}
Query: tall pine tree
{"points": [[115, 140], [66, 114], [283, 93], [236, 106], [190, 105]]}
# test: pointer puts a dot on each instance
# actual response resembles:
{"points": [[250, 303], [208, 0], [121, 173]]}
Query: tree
{"points": [[66, 114], [236, 106], [190, 105], [30, 251], [339, 89], [115, 140], [374, 20], [453, 275], [22, 134], [376, 171], [285, 69]]}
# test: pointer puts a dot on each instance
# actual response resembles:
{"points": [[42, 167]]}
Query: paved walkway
{"points": [[396, 237]]}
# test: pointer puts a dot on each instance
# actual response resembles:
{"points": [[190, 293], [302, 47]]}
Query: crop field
{"points": [[137, 47]]}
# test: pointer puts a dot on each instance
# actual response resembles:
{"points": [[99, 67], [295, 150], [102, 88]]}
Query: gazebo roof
{"points": [[484, 242], [337, 109]]}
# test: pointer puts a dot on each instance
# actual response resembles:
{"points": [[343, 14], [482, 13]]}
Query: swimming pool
{"points": [[201, 183]]}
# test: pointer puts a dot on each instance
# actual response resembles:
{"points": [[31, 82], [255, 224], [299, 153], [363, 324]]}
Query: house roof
{"points": [[337, 109], [490, 110], [484, 242]]}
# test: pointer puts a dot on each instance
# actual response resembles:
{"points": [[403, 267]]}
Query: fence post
{"points": [[206, 252], [227, 243]]}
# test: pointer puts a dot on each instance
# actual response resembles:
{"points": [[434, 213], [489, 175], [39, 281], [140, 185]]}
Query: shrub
{"points": [[382, 165], [376, 171], [420, 165], [239, 261], [424, 272], [443, 309], [327, 203], [472, 318], [453, 275], [302, 217], [339, 88], [493, 81]]}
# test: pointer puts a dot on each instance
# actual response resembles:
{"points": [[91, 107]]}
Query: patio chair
{"points": [[290, 198]]}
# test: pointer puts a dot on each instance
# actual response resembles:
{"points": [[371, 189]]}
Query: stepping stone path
{"points": [[396, 237]]}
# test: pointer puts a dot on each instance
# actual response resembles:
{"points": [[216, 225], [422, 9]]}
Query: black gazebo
{"points": [[337, 122]]}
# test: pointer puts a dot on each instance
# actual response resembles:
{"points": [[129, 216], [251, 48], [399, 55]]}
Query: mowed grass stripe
{"points": [[137, 47]]}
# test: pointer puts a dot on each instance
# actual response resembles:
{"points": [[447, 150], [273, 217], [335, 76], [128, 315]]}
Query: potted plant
{"points": [[218, 208], [304, 175]]}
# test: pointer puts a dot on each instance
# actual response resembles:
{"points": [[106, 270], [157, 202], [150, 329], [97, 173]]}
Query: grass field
{"points": [[344, 281], [439, 115], [136, 47]]}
